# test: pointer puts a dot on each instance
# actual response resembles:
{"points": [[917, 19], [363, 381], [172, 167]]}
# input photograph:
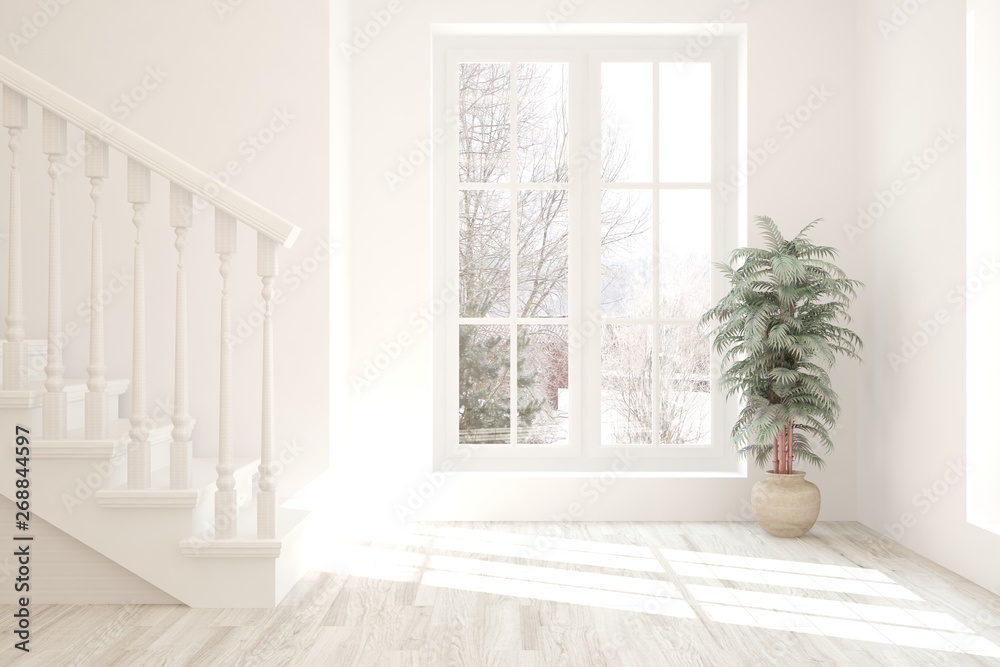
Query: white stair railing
{"points": [[144, 158]]}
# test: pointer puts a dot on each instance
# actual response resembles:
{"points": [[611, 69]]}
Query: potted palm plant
{"points": [[778, 331]]}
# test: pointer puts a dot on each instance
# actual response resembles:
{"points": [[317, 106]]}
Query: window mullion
{"points": [[655, 379], [514, 231], [590, 338], [577, 230]]}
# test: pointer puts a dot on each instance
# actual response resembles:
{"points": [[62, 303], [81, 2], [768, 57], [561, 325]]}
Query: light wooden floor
{"points": [[575, 595]]}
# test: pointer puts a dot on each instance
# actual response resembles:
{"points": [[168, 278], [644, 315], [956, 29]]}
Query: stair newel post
{"points": [[267, 496], [15, 348], [225, 496], [138, 450], [96, 400], [181, 213], [54, 401]]}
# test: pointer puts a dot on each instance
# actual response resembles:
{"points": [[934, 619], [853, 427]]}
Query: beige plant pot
{"points": [[785, 505]]}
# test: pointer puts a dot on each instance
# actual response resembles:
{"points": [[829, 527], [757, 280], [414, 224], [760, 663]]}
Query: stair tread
{"points": [[203, 475], [115, 386], [289, 526], [118, 430]]}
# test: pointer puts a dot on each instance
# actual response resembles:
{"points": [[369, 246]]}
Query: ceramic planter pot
{"points": [[785, 505]]}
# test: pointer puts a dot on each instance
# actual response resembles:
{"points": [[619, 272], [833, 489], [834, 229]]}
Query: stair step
{"points": [[160, 495], [293, 525], [37, 354], [75, 390], [76, 446]]}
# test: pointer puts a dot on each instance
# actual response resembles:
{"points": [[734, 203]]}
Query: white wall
{"points": [[225, 73], [983, 238], [793, 45], [340, 212], [912, 426]]}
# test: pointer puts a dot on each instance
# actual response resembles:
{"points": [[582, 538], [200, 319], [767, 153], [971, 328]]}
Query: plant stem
{"points": [[774, 448]]}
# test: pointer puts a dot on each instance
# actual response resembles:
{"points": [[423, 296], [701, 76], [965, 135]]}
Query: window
{"points": [[578, 217]]}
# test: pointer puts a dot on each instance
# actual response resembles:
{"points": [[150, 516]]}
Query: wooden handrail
{"points": [[145, 152]]}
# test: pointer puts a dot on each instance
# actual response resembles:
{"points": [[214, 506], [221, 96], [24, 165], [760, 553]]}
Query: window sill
{"points": [[988, 526], [594, 474]]}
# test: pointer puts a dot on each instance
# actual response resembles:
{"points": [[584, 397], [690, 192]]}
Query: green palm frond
{"points": [[777, 332]]}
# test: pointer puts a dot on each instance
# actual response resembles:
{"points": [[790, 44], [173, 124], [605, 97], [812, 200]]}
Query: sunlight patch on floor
{"points": [[830, 617], [835, 601]]}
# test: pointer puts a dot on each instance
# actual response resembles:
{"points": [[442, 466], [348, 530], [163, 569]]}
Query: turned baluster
{"points": [[181, 212], [54, 401], [225, 496], [267, 496], [96, 400], [15, 348], [138, 451]]}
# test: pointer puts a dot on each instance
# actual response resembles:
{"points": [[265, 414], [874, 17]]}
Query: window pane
{"points": [[685, 385], [484, 253], [543, 385], [685, 252], [626, 253], [626, 385], [484, 384], [627, 122], [542, 122], [484, 113], [543, 255], [685, 122]]}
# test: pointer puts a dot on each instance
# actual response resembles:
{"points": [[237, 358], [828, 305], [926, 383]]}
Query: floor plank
{"points": [[576, 594]]}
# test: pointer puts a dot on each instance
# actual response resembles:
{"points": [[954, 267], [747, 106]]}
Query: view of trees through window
{"points": [[514, 254]]}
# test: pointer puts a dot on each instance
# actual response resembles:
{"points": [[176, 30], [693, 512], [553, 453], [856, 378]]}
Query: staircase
{"points": [[208, 532]]}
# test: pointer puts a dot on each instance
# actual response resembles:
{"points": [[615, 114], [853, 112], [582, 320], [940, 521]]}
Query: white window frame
{"points": [[584, 54]]}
